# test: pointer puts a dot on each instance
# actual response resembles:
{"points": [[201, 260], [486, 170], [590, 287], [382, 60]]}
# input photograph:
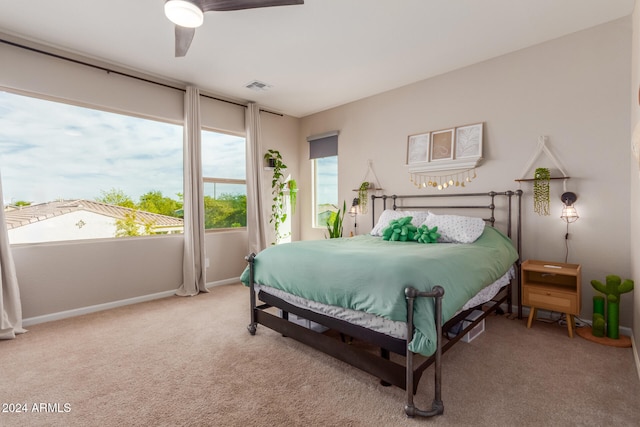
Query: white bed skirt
{"points": [[377, 323]]}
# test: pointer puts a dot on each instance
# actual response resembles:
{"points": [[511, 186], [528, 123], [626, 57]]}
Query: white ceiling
{"points": [[316, 56]]}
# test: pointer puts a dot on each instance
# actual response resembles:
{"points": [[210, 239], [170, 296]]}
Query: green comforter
{"points": [[369, 274]]}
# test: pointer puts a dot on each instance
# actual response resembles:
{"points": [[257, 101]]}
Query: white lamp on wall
{"points": [[353, 212], [569, 213]]}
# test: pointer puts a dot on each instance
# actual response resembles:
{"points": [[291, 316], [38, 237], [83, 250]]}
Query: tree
{"points": [[130, 226], [116, 197], [155, 202], [225, 211]]}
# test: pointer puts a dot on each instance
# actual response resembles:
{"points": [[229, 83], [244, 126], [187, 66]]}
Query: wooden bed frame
{"points": [[405, 376]]}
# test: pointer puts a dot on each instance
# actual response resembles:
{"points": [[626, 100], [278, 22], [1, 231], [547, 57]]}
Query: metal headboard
{"points": [[490, 206]]}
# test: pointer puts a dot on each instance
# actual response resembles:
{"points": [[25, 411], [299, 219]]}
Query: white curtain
{"points": [[10, 306], [193, 267], [255, 208]]}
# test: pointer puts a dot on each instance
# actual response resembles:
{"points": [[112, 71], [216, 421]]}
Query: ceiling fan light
{"points": [[183, 13]]}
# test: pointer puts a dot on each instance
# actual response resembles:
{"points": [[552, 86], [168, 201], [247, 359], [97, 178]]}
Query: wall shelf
{"points": [[532, 179], [444, 165]]}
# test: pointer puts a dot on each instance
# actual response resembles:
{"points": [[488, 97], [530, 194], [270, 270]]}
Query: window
{"points": [[323, 150], [225, 185], [325, 189], [72, 173]]}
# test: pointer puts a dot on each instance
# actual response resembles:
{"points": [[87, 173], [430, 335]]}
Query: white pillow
{"points": [[456, 228], [388, 215]]}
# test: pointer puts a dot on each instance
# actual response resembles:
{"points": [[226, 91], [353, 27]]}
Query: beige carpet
{"points": [[190, 361]]}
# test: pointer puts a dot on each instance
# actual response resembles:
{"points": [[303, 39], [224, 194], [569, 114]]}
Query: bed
{"points": [[401, 297]]}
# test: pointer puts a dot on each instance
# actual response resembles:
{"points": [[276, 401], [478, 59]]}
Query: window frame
{"points": [[89, 105], [314, 168], [214, 180]]}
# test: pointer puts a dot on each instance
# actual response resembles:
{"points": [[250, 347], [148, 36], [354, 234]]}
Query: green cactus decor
{"points": [[400, 230], [426, 235], [598, 323], [613, 288]]}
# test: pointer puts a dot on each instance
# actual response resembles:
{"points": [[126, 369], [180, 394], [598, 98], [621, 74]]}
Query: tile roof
{"points": [[18, 217]]}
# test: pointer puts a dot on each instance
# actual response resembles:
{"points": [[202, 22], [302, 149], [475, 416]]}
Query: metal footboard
{"points": [[437, 407]]}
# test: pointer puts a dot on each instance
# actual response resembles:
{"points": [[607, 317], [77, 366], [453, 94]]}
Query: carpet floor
{"points": [[191, 362]]}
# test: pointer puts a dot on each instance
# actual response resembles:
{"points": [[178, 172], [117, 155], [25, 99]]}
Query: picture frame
{"points": [[469, 141], [418, 148], [442, 145]]}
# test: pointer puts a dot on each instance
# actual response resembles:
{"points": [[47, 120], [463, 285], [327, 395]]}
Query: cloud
{"points": [[51, 150]]}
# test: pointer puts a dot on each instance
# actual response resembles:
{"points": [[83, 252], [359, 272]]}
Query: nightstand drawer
{"points": [[550, 300]]}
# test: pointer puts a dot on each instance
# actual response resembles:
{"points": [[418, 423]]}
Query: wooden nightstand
{"points": [[552, 286]]}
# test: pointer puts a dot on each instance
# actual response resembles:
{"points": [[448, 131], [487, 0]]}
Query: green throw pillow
{"points": [[425, 235], [400, 230]]}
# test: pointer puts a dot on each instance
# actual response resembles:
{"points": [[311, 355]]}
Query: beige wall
{"points": [[66, 276], [635, 179], [574, 89]]}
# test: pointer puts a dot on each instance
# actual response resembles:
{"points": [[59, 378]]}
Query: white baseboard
{"points": [[223, 282], [106, 306], [549, 315], [635, 354]]}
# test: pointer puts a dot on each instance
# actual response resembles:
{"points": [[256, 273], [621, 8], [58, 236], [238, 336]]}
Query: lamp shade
{"points": [[355, 207], [569, 214], [183, 13]]}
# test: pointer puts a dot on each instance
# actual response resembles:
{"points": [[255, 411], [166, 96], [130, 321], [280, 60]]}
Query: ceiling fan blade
{"points": [[222, 5], [184, 36]]}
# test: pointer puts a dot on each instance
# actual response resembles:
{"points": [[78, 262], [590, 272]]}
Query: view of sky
{"points": [[51, 150]]}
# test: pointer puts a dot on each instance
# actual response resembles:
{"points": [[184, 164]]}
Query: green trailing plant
{"points": [[278, 185], [363, 196], [613, 287], [293, 194], [334, 222], [541, 191]]}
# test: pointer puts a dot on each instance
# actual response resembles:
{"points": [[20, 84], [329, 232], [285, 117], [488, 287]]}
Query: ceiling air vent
{"points": [[258, 86]]}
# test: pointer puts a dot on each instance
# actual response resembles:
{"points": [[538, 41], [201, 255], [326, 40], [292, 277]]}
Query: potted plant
{"points": [[292, 185], [363, 196], [334, 222], [278, 186], [541, 191]]}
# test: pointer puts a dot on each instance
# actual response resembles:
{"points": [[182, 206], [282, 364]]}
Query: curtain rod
{"points": [[108, 70]]}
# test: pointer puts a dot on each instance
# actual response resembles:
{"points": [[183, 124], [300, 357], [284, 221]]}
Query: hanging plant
{"points": [[278, 185], [541, 191], [363, 196], [293, 194]]}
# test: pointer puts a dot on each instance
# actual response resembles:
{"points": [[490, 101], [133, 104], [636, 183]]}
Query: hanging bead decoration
{"points": [[442, 182]]}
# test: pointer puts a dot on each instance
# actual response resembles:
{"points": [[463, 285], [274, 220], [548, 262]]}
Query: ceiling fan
{"points": [[189, 14]]}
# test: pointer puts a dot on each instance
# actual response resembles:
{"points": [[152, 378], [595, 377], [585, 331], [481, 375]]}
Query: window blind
{"points": [[324, 145]]}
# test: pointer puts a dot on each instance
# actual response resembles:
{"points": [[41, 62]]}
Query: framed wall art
{"points": [[418, 148], [469, 141], [442, 145], [456, 148]]}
